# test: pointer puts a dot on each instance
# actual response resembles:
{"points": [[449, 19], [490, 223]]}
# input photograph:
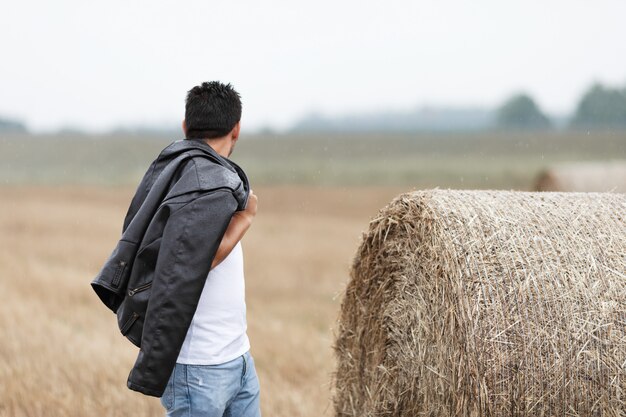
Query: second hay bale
{"points": [[607, 176], [479, 303]]}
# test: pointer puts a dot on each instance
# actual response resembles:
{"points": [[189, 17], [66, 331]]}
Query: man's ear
{"points": [[236, 130], [185, 127]]}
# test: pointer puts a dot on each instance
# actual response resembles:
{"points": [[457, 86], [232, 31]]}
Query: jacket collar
{"points": [[226, 162]]}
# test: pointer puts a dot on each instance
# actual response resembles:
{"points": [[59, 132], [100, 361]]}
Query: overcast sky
{"points": [[96, 65]]}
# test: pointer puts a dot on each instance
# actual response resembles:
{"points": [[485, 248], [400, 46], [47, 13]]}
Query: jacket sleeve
{"points": [[139, 197], [189, 243]]}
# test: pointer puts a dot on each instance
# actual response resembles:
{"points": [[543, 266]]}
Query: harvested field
{"points": [[481, 160], [483, 303], [608, 176], [61, 353]]}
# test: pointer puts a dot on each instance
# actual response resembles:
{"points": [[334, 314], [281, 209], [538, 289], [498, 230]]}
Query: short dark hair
{"points": [[212, 109]]}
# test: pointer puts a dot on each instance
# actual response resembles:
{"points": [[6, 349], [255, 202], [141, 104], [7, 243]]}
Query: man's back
{"points": [[217, 333]]}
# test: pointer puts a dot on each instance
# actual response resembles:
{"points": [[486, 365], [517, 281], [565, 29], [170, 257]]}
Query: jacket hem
{"points": [[145, 390]]}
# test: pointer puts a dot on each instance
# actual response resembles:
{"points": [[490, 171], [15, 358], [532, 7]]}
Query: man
{"points": [[176, 278]]}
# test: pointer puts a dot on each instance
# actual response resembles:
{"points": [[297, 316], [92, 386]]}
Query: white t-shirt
{"points": [[217, 333]]}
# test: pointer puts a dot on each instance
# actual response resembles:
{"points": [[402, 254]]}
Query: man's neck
{"points": [[221, 146]]}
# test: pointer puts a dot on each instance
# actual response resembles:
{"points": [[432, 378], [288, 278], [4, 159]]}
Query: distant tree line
{"points": [[11, 126], [599, 107]]}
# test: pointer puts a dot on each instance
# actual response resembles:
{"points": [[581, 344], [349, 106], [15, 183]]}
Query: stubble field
{"points": [[61, 353], [63, 199]]}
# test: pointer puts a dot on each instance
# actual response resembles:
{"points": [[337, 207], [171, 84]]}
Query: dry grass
{"points": [[61, 353], [478, 303]]}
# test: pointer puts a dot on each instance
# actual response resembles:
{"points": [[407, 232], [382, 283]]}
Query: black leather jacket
{"points": [[155, 275]]}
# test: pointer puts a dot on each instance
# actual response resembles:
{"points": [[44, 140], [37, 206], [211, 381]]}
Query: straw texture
{"points": [[487, 303], [584, 177]]}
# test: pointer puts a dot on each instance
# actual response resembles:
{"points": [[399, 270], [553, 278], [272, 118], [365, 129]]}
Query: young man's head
{"points": [[213, 113]]}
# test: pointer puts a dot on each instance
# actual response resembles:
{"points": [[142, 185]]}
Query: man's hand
{"points": [[237, 228], [251, 207]]}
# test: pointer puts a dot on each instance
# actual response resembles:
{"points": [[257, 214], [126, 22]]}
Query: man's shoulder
{"points": [[210, 174], [201, 175]]}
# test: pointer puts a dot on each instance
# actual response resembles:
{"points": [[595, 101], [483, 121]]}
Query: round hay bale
{"points": [[486, 303], [584, 177]]}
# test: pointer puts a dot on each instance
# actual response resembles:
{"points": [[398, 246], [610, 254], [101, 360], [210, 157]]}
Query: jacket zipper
{"points": [[139, 289], [131, 320]]}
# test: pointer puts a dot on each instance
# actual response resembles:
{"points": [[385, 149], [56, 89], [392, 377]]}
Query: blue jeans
{"points": [[230, 389]]}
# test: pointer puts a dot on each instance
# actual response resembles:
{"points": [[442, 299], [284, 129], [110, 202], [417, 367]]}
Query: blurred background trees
{"points": [[601, 107], [11, 126], [521, 112]]}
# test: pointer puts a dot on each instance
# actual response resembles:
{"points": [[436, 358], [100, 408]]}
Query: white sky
{"points": [[96, 64]]}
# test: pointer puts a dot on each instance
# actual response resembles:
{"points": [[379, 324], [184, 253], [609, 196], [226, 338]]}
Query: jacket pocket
{"points": [[140, 288], [132, 311], [129, 323]]}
